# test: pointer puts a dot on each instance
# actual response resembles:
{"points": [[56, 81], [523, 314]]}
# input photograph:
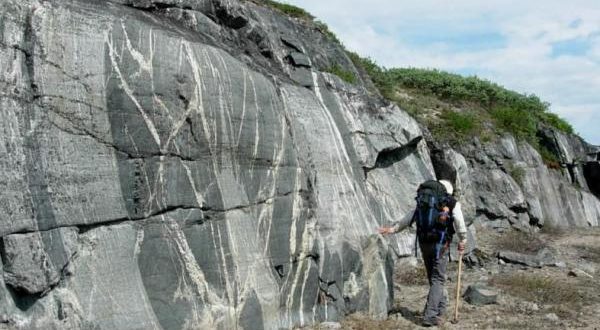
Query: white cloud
{"points": [[385, 30]]}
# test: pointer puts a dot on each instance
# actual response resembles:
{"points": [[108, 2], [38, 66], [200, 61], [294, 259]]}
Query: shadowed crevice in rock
{"points": [[389, 157], [23, 300], [591, 172], [443, 168]]}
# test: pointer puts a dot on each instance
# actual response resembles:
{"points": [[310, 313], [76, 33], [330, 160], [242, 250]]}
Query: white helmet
{"points": [[448, 186]]}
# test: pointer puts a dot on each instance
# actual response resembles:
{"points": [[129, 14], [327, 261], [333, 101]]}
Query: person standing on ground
{"points": [[438, 216]]}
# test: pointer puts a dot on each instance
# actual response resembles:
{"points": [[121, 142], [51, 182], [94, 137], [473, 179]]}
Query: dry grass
{"points": [[411, 276], [589, 253], [554, 230], [517, 241], [538, 288], [360, 322]]}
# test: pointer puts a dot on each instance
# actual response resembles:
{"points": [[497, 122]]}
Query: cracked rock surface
{"points": [[188, 165], [164, 169]]}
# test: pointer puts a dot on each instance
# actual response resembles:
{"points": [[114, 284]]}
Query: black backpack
{"points": [[433, 213]]}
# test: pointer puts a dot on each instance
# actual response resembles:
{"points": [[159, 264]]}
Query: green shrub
{"points": [[337, 70], [378, 75], [297, 12], [326, 31], [557, 122], [518, 122], [289, 10], [548, 157], [418, 104], [510, 107], [455, 127], [465, 124]]}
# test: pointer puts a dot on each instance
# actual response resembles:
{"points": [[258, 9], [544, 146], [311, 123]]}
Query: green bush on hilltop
{"points": [[503, 110], [519, 122], [324, 28], [464, 124], [513, 112], [289, 10], [455, 126], [297, 12], [556, 121], [377, 74]]}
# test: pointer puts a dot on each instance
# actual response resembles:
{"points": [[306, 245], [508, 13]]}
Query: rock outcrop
{"points": [[173, 164], [189, 165], [508, 184]]}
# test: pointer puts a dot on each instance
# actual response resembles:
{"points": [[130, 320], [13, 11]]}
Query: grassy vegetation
{"points": [[343, 74], [412, 276], [358, 321], [289, 10], [518, 122], [493, 109], [513, 112], [377, 74], [537, 288], [324, 28], [461, 123], [549, 158], [517, 241], [589, 253], [299, 13], [517, 173], [553, 231]]}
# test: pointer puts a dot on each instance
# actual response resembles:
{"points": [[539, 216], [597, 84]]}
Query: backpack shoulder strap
{"points": [[451, 202]]}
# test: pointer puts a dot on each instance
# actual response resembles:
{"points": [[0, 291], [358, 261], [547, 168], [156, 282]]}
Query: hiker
{"points": [[438, 216]]}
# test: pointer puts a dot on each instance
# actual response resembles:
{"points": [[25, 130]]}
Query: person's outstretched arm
{"points": [[386, 230]]}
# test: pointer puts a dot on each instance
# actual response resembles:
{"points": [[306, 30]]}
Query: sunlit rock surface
{"points": [[189, 165], [160, 177]]}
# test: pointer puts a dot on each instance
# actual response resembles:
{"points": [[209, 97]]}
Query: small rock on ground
{"points": [[481, 295], [552, 317], [330, 326], [579, 273]]}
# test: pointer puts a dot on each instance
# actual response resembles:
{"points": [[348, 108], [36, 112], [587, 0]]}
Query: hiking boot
{"points": [[428, 323], [438, 321]]}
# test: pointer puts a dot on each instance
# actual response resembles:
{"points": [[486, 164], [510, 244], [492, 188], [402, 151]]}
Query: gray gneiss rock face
{"points": [[508, 184], [164, 168], [188, 165]]}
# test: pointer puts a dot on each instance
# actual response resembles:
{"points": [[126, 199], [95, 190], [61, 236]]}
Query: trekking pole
{"points": [[457, 288]]}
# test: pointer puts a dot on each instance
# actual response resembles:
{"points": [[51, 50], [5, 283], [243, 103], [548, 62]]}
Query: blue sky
{"points": [[549, 48]]}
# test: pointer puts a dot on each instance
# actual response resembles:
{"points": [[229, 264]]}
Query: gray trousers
{"points": [[437, 300]]}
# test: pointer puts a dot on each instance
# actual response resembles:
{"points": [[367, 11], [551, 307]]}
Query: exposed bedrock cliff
{"points": [[188, 164], [508, 184]]}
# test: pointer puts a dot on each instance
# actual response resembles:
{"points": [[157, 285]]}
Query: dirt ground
{"points": [[552, 297]]}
